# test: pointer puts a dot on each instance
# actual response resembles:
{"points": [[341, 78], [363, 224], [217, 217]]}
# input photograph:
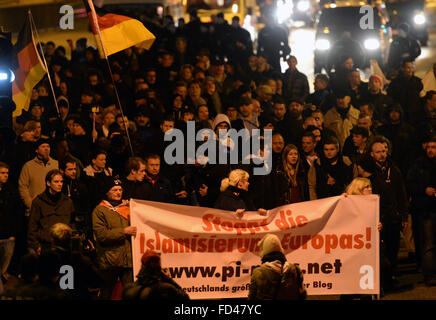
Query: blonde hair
{"points": [[234, 177], [357, 185], [60, 233], [287, 166]]}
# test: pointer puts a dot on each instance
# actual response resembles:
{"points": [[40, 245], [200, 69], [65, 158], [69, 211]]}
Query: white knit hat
{"points": [[270, 243]]}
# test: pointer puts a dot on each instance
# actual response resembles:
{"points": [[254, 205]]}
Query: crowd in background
{"points": [[64, 172]]}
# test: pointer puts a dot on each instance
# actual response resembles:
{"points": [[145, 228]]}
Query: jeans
{"points": [[6, 252]]}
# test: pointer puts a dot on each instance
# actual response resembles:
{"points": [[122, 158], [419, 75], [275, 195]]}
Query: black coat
{"points": [[46, 211], [421, 176], [11, 210], [160, 191], [233, 199], [342, 173], [389, 184]]}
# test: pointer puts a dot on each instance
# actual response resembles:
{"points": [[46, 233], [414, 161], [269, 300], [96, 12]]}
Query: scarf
{"points": [[123, 209], [273, 256]]}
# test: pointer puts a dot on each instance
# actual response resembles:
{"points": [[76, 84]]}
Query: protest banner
{"points": [[211, 253]]}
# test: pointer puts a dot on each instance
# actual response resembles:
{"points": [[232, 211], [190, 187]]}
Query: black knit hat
{"points": [[111, 182]]}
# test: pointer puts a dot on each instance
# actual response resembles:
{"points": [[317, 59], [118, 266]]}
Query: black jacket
{"points": [[160, 191], [421, 176], [341, 172], [389, 184], [11, 209], [233, 199], [47, 210]]}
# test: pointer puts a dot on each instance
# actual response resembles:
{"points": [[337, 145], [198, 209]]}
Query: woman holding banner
{"points": [[234, 194]]}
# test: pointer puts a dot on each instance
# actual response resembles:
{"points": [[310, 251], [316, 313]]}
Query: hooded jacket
{"points": [[264, 280]]}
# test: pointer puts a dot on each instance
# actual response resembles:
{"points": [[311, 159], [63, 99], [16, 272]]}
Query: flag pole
{"points": [[35, 30], [97, 28]]}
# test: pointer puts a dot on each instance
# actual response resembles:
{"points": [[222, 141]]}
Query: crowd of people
{"points": [[66, 174]]}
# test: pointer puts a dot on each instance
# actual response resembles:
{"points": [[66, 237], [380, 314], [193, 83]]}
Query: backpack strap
{"points": [[278, 284]]}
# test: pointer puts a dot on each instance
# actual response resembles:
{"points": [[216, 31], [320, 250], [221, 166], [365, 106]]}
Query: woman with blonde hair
{"points": [[291, 185], [234, 194], [359, 186]]}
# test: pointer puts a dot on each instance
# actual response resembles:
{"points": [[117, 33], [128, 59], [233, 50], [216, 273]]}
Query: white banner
{"points": [[211, 253]]}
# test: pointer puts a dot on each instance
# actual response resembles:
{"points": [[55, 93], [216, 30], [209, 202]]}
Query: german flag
{"points": [[27, 66], [117, 32]]}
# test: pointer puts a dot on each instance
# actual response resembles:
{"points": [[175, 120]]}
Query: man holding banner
{"points": [[112, 232]]}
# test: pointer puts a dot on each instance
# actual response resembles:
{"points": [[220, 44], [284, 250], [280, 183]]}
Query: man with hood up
{"points": [[265, 279]]}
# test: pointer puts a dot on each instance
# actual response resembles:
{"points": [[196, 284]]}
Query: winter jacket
{"points": [[47, 210], [389, 184], [11, 209], [158, 190], [233, 199], [113, 246], [295, 85], [342, 172], [341, 126], [406, 92], [264, 280], [421, 176]]}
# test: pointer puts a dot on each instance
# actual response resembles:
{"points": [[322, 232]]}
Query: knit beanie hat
{"points": [[270, 243], [111, 182]]}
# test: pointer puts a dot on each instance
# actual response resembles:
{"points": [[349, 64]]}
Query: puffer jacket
{"points": [[44, 213], [112, 245], [264, 280]]}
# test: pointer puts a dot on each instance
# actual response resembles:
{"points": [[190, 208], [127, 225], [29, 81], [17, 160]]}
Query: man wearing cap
{"points": [[342, 117], [377, 97], [32, 177], [112, 233]]}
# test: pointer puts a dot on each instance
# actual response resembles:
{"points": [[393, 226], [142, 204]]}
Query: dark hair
{"points": [[63, 164], [152, 156], [4, 165], [279, 100], [97, 152], [51, 174], [370, 105], [331, 140], [322, 77], [133, 164], [309, 134]]}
